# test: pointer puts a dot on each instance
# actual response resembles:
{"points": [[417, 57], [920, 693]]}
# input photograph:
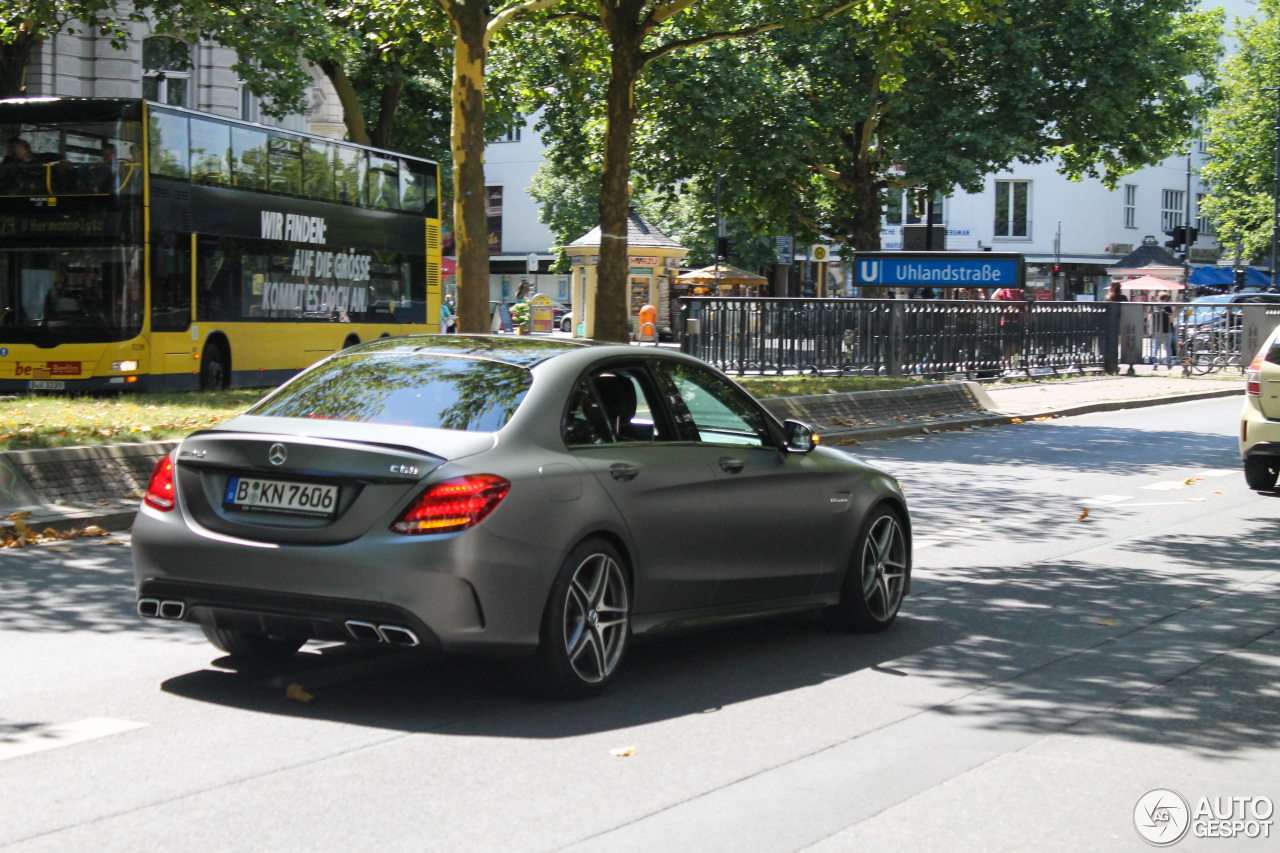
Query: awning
{"points": [[448, 266], [1150, 282], [1225, 277]]}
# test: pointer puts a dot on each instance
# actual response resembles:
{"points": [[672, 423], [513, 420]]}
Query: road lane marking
{"points": [[67, 734]]}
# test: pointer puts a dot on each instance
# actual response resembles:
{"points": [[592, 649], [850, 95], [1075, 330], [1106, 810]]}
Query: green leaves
{"points": [[1240, 136]]}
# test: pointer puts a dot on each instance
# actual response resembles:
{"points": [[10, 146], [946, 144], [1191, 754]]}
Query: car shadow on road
{"points": [[1177, 656], [662, 679]]}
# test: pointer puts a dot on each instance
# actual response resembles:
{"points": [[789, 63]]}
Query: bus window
{"points": [[210, 147], [284, 165], [249, 158], [317, 170], [384, 183], [218, 294], [418, 188], [71, 295], [170, 282], [348, 174], [168, 135]]}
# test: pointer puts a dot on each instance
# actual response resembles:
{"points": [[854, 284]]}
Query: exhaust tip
{"points": [[397, 636], [363, 631], [172, 609], [149, 608]]}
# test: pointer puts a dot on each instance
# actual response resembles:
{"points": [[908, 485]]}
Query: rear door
{"points": [[664, 489]]}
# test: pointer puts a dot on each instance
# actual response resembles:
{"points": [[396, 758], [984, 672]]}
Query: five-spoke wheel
{"points": [[877, 577], [587, 622]]}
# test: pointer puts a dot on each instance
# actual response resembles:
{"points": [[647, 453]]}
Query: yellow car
{"points": [[1260, 417]]}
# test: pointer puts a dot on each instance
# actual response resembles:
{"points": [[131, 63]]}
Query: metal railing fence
{"points": [[898, 337]]}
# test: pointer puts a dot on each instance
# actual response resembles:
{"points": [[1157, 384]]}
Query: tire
{"points": [[1260, 472], [215, 368], [351, 341], [251, 646], [586, 626], [566, 325], [877, 576]]}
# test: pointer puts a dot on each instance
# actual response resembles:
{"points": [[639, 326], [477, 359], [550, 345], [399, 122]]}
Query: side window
{"points": [[616, 405], [717, 410], [584, 423]]}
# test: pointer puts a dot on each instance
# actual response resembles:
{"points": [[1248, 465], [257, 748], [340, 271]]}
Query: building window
{"points": [[166, 71], [1172, 203], [1130, 205], [1204, 225], [249, 105], [512, 133], [1012, 205], [910, 206]]}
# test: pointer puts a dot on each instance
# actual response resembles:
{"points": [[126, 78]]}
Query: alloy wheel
{"points": [[596, 616], [884, 567]]}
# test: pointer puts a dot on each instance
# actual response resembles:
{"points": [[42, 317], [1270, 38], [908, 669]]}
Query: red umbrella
{"points": [[448, 266]]}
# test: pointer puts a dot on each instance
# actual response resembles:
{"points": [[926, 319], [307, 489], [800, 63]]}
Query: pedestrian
{"points": [[1162, 330], [447, 318], [1114, 294], [1013, 322]]}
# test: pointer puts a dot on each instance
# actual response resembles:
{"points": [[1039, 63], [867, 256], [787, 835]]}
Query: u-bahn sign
{"points": [[939, 269]]}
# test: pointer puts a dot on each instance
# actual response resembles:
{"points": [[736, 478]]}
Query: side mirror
{"points": [[800, 437]]}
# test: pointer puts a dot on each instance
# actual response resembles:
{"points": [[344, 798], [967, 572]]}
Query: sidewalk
{"points": [[71, 489]]}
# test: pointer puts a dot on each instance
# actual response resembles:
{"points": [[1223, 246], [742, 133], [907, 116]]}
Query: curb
{"points": [[845, 437]]}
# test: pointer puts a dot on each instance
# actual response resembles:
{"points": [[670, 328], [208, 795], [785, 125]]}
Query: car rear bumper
{"points": [[1259, 435], [471, 593]]}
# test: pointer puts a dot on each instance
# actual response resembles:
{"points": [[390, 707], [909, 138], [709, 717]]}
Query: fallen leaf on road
{"points": [[297, 693], [623, 751], [59, 548], [976, 520], [1083, 515], [1016, 421], [1192, 480], [93, 530], [1108, 623], [1218, 492]]}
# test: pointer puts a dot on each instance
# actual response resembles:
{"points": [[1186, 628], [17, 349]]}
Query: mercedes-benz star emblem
{"points": [[277, 454]]}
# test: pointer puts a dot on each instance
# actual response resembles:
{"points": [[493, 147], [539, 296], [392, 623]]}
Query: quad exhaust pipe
{"points": [[155, 608], [393, 635]]}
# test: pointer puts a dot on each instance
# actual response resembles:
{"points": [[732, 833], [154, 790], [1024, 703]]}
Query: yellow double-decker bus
{"points": [[145, 247]]}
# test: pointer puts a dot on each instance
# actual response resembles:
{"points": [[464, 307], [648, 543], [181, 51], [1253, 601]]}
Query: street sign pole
{"points": [[531, 267]]}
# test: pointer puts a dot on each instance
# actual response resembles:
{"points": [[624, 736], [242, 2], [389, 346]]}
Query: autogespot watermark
{"points": [[1163, 817]]}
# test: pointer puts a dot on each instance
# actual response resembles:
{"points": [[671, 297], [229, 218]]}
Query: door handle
{"points": [[623, 472], [731, 465]]}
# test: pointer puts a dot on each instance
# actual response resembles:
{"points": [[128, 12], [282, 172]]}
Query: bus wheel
{"points": [[351, 341], [214, 371]]}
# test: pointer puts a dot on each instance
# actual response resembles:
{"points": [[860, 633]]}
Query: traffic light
{"points": [[1183, 237], [1240, 276], [724, 247]]}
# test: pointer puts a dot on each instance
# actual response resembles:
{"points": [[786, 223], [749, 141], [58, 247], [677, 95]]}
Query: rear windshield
{"points": [[405, 389]]}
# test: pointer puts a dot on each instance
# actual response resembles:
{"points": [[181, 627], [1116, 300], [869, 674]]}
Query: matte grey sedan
{"points": [[537, 499]]}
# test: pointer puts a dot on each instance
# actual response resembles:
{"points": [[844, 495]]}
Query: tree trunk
{"points": [[611, 310], [352, 115], [13, 67], [471, 231], [865, 201], [388, 105]]}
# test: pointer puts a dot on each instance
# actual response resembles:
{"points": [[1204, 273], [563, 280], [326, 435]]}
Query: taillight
{"points": [[1253, 379], [160, 489], [452, 505]]}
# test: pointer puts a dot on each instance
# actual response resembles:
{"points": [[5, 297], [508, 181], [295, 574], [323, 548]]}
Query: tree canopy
{"points": [[1241, 139]]}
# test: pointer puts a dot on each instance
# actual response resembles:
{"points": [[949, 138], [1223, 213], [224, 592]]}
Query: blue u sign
{"points": [[904, 270]]}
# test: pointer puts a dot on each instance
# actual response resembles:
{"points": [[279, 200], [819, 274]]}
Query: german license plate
{"points": [[281, 496], [46, 385]]}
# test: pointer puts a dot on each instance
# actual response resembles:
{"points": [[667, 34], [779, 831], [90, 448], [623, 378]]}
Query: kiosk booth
{"points": [[654, 259]]}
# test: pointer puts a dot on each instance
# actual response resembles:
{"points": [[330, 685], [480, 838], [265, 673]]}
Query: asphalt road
{"points": [[1047, 671]]}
